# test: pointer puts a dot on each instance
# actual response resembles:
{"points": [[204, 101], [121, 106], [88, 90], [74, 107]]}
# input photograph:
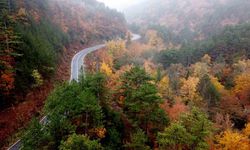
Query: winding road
{"points": [[77, 64]]}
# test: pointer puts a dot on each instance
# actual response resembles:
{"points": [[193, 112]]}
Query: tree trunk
{"points": [[86, 123], [6, 35], [9, 5]]}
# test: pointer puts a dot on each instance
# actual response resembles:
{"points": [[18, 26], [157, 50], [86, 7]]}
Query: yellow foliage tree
{"points": [[116, 48], [242, 66], [106, 69], [232, 140], [37, 77], [242, 87], [206, 59], [189, 89], [199, 69], [154, 40], [150, 67], [246, 131], [219, 87], [164, 87], [21, 12]]}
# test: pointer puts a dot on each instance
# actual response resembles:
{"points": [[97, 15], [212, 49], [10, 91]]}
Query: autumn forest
{"points": [[184, 84]]}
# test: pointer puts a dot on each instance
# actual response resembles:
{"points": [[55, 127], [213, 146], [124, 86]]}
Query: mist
{"points": [[120, 5]]}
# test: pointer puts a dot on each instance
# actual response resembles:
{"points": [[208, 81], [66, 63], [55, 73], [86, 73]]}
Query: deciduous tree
{"points": [[188, 90], [106, 69], [242, 87], [232, 140], [164, 87]]}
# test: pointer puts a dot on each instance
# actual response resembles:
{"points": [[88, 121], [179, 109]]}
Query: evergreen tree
{"points": [[175, 136], [138, 141], [34, 136], [191, 132], [142, 100], [208, 91], [199, 126], [80, 142]]}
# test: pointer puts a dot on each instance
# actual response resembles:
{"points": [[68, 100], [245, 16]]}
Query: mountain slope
{"points": [[42, 29], [34, 37], [192, 19]]}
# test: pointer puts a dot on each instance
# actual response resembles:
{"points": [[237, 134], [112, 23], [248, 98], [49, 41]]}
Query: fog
{"points": [[120, 4]]}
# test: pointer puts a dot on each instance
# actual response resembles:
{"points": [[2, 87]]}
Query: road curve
{"points": [[77, 64]]}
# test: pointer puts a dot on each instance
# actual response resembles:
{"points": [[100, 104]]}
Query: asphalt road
{"points": [[77, 63], [77, 67]]}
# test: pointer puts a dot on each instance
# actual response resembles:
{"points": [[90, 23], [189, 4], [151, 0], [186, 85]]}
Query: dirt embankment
{"points": [[18, 116]]}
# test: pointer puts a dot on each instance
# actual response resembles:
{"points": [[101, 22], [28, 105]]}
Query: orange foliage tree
{"points": [[8, 43]]}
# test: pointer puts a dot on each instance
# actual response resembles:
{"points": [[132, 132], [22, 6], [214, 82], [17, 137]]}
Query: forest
{"points": [[129, 101], [35, 39], [185, 85]]}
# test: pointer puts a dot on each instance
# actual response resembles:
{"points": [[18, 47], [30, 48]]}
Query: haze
{"points": [[120, 4]]}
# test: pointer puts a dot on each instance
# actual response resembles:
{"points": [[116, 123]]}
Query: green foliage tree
{"points": [[208, 91], [141, 99], [70, 108], [94, 83], [232, 43], [77, 101], [41, 43], [199, 126], [115, 128], [58, 129], [138, 141], [174, 137], [34, 137], [80, 142], [191, 132]]}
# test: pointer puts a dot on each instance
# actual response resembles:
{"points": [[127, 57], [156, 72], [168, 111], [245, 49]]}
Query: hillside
{"points": [[229, 46], [38, 39], [182, 84], [190, 19], [40, 31], [127, 101]]}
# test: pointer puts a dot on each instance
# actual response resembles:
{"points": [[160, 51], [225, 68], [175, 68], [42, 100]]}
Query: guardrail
{"points": [[17, 144]]}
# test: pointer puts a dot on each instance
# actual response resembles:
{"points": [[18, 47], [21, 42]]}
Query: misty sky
{"points": [[120, 4]]}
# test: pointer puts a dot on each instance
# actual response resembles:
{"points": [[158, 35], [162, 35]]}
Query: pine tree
{"points": [[138, 141], [208, 91], [173, 137], [142, 100], [191, 132], [80, 142]]}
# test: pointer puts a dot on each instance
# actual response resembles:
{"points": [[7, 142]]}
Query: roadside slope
{"points": [[49, 33]]}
